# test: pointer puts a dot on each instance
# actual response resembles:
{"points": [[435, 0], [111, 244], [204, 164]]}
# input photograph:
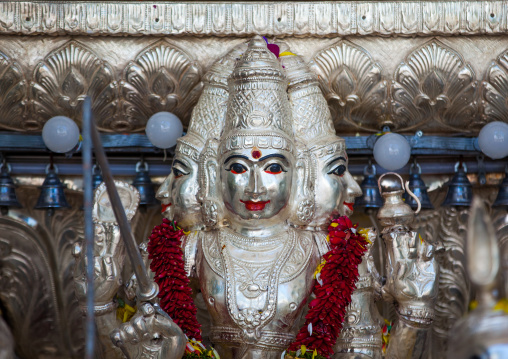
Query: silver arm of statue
{"points": [[150, 334], [108, 260], [412, 279], [114, 207]]}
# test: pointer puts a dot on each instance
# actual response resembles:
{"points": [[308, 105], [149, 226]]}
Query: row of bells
{"points": [[52, 194], [460, 191]]}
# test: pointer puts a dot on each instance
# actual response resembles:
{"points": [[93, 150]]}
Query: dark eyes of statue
{"points": [[178, 173], [237, 168], [273, 168], [338, 171]]}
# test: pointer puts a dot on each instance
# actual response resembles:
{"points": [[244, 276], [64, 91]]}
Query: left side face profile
{"points": [[256, 184], [184, 190], [178, 193], [163, 194]]}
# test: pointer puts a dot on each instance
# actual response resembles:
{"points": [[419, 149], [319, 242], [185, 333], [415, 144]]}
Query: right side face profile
{"points": [[335, 188]]}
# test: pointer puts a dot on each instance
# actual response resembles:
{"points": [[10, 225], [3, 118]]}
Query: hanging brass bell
{"points": [[96, 180], [97, 177], [370, 198], [502, 195], [144, 185], [460, 190], [52, 192], [8, 196], [417, 186]]}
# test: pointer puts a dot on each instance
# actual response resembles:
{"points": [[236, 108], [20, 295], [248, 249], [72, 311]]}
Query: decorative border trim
{"points": [[334, 18]]}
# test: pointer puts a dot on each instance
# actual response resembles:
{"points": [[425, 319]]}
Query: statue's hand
{"points": [[109, 256], [150, 334], [412, 276]]}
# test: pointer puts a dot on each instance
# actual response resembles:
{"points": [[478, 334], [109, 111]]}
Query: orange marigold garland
{"points": [[336, 281], [164, 248]]}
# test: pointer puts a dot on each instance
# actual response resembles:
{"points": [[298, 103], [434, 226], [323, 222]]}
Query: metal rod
{"points": [[20, 166], [438, 145], [89, 233], [147, 290]]}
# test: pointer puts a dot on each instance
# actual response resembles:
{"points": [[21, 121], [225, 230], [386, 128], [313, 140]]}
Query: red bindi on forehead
{"points": [[256, 153]]}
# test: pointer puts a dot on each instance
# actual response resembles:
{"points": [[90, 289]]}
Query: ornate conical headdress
{"points": [[312, 120], [313, 126], [209, 113], [258, 111]]}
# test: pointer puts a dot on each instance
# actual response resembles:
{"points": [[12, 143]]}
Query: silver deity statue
{"points": [[255, 275], [257, 179]]}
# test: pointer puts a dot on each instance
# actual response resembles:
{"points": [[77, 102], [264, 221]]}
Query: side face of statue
{"points": [[336, 189], [179, 191]]}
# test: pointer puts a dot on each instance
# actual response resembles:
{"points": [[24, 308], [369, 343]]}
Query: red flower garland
{"points": [[338, 279], [326, 313], [164, 248]]}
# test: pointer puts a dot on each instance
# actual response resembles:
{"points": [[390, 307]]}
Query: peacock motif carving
{"points": [[161, 78], [62, 81], [494, 90], [353, 86], [434, 89], [13, 89]]}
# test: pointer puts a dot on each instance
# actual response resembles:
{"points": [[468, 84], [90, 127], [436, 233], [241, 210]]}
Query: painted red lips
{"points": [[255, 206], [349, 205], [164, 207]]}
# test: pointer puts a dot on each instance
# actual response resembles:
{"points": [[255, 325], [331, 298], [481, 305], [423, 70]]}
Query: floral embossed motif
{"points": [[161, 78], [353, 86], [494, 90], [434, 90], [63, 80], [12, 94]]}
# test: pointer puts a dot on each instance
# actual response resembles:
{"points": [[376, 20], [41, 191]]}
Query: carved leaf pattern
{"points": [[37, 269], [353, 86], [434, 89], [13, 89], [25, 288], [161, 78], [454, 285], [63, 80], [494, 91]]}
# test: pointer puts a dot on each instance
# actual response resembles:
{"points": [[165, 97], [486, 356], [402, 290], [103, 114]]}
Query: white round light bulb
{"points": [[392, 151], [493, 140], [163, 129], [60, 134]]}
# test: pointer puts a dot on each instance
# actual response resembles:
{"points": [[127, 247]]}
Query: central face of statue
{"points": [[256, 184]]}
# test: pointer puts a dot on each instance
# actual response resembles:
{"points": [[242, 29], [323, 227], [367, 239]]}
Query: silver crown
{"points": [[258, 111], [312, 121], [209, 113]]}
